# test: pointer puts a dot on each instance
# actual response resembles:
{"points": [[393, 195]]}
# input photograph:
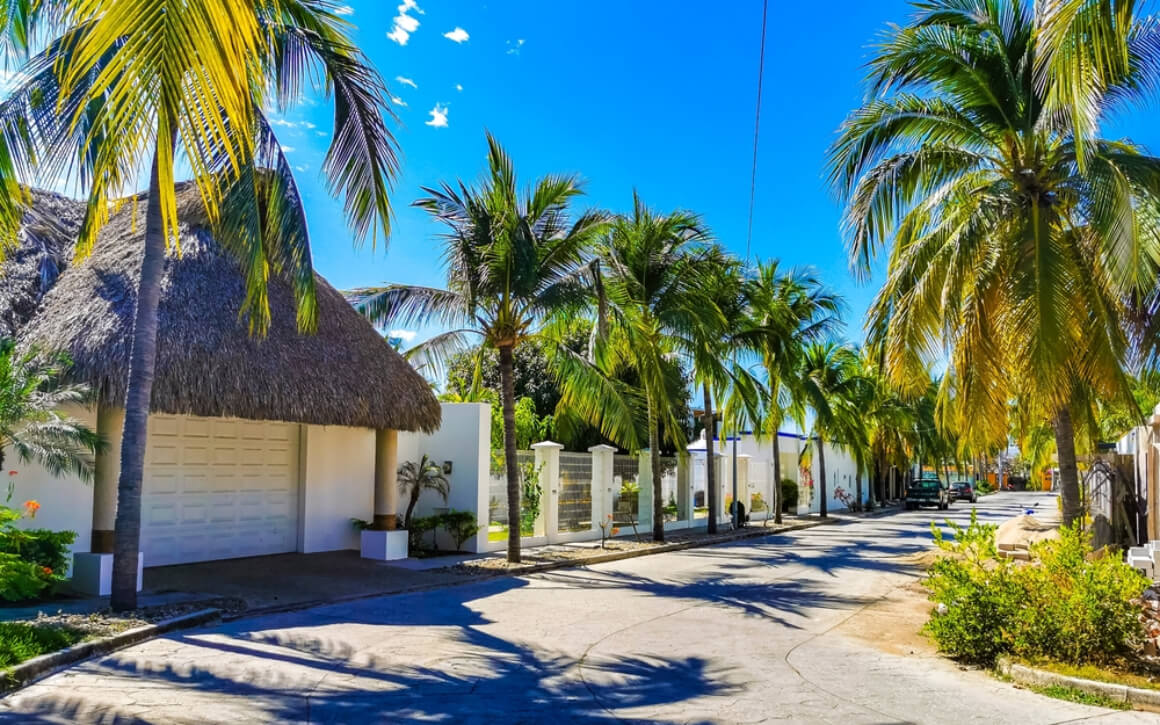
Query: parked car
{"points": [[928, 491], [964, 490]]}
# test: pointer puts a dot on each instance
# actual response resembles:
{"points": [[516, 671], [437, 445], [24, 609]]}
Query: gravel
{"points": [[105, 622]]}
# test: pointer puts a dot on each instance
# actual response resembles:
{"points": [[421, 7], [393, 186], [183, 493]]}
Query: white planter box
{"points": [[92, 574], [384, 545]]}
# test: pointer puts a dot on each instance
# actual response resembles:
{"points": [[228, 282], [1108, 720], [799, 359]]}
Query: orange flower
{"points": [[615, 531], [12, 473], [48, 570], [31, 507]]}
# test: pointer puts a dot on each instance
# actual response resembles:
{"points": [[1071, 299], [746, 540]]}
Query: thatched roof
{"points": [[208, 363]]}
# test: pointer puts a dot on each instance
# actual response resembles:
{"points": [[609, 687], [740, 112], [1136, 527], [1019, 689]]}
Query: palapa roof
{"points": [[208, 363]]}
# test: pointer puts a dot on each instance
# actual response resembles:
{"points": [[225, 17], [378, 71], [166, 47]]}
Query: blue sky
{"points": [[654, 95]]}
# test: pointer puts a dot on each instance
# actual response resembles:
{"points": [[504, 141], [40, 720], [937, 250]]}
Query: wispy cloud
{"points": [[283, 123], [405, 24], [398, 101], [514, 46], [458, 87], [438, 116], [459, 35], [404, 335], [287, 149], [344, 10], [406, 81]]}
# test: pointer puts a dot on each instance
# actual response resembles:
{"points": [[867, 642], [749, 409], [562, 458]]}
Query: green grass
{"points": [[20, 641], [1071, 694], [1131, 674]]}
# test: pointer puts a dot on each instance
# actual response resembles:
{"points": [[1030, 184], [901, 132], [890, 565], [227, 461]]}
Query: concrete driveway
{"points": [[781, 628]]}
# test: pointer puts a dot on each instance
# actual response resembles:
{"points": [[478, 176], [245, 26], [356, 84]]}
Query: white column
{"points": [[724, 486], [602, 458], [106, 472], [548, 464], [743, 491], [645, 498]]}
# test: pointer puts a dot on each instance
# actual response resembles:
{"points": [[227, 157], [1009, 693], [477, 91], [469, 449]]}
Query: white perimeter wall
{"points": [[66, 503], [464, 439], [337, 467]]}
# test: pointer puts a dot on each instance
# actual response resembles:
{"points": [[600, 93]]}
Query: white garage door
{"points": [[218, 488]]}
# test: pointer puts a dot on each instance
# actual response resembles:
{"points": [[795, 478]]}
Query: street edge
{"points": [[1027, 675], [37, 668]]}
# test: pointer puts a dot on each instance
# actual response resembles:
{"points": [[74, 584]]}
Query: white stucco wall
{"points": [[337, 468], [464, 439], [66, 502]]}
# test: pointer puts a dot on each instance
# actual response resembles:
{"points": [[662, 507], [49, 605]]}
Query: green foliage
{"points": [[530, 427], [20, 641], [33, 560], [43, 547], [419, 526], [673, 510], [1072, 694], [21, 579], [461, 525], [983, 486], [530, 499], [757, 502], [789, 495], [417, 477], [1068, 604]]}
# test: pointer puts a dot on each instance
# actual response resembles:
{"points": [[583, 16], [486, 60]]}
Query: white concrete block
{"points": [[92, 574], [384, 545]]}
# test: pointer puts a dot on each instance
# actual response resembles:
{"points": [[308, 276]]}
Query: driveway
{"points": [[782, 628]]}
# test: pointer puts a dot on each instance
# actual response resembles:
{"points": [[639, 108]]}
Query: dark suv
{"points": [[964, 490], [928, 491]]}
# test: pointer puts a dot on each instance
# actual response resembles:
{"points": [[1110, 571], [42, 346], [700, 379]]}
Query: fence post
{"points": [[644, 482], [602, 457], [548, 464]]}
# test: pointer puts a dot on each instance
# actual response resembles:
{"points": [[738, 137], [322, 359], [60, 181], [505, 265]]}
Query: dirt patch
{"points": [[894, 623], [104, 623]]}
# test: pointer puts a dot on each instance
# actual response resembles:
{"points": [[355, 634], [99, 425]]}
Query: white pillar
{"points": [[386, 480], [645, 498], [548, 464], [724, 486], [106, 472], [602, 468]]}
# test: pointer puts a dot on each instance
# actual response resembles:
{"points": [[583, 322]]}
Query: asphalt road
{"points": [[802, 627]]}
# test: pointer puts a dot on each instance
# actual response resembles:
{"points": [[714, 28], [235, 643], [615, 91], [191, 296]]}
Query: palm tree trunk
{"points": [[411, 505], [776, 477], [142, 362], [1068, 472], [710, 468], [858, 487], [507, 398], [654, 456], [822, 478]]}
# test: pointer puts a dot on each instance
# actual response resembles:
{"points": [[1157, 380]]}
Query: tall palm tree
{"points": [[785, 312], [651, 295], [131, 86], [829, 380], [513, 260], [1016, 233], [417, 477], [31, 419]]}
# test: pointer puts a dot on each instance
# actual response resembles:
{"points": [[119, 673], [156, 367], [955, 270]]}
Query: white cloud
{"points": [[406, 81], [458, 35], [320, 133], [307, 124], [344, 10], [438, 116], [458, 87], [283, 123], [405, 24], [302, 168], [287, 149], [514, 46], [404, 335], [398, 101]]}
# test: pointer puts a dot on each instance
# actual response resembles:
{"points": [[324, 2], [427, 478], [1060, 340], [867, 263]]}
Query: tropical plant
{"points": [[531, 494], [128, 88], [417, 477], [512, 260], [784, 312], [828, 375], [31, 560], [1017, 235], [33, 418]]}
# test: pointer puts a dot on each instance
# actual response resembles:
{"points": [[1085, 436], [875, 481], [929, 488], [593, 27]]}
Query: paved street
{"points": [[782, 628]]}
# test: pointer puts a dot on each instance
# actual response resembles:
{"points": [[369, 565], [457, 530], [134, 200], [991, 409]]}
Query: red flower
{"points": [[12, 473], [48, 570], [31, 507]]}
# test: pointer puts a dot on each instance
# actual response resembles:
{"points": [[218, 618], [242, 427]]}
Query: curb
{"points": [[1026, 675], [37, 668], [466, 579]]}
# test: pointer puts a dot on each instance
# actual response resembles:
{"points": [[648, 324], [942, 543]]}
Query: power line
{"points": [[756, 129]]}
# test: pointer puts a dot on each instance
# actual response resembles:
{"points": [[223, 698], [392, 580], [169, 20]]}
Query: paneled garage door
{"points": [[218, 488]]}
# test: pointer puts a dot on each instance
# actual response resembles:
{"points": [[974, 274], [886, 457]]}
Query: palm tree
{"points": [[512, 261], [786, 311], [131, 86], [415, 478], [829, 380], [31, 419], [649, 283], [1016, 234]]}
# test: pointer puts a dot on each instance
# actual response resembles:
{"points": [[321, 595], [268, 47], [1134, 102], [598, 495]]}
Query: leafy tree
{"points": [[417, 477], [31, 419], [1017, 235], [828, 374], [512, 261]]}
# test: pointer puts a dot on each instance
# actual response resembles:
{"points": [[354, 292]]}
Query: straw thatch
{"points": [[208, 363]]}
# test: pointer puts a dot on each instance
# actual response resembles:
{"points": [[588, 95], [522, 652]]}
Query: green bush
{"points": [[461, 525], [983, 486], [39, 546], [20, 641], [1066, 605], [420, 525], [21, 579], [530, 499], [32, 561], [789, 495]]}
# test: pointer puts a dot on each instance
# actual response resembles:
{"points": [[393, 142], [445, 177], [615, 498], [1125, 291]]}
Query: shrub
{"points": [[461, 525], [33, 560], [1067, 604], [20, 641], [21, 579], [530, 499], [789, 495], [757, 502], [420, 525]]}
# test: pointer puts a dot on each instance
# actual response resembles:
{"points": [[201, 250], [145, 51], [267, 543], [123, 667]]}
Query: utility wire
{"points": [[756, 129]]}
